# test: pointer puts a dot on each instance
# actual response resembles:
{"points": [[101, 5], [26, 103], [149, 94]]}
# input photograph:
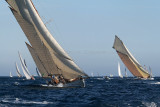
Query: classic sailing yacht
{"points": [[131, 63], [119, 71], [25, 70], [18, 71], [48, 55]]}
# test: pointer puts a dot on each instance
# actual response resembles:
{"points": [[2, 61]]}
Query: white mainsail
{"points": [[119, 71], [150, 72], [125, 72], [48, 55], [24, 68], [18, 71], [92, 75], [10, 74]]}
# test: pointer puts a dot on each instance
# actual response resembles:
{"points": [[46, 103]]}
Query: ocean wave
{"points": [[100, 78], [155, 83], [20, 101], [16, 83]]}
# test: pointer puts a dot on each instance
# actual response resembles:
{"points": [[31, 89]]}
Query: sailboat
{"points": [[49, 56], [38, 73], [18, 71], [10, 74], [111, 75], [25, 70], [119, 71], [151, 75], [92, 75], [125, 72], [130, 62]]}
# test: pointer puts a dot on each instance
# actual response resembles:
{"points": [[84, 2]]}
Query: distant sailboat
{"points": [[10, 74], [24, 69], [49, 56], [111, 75], [38, 73], [131, 63], [119, 71], [151, 75], [125, 72], [92, 75], [18, 71]]}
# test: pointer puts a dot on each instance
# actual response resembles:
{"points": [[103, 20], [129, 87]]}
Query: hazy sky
{"points": [[86, 30]]}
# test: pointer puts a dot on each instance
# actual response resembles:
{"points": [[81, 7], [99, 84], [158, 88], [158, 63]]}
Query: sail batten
{"points": [[127, 58]]}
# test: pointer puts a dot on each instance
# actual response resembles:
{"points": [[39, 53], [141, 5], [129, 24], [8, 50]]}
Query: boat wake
{"points": [[100, 78], [58, 86]]}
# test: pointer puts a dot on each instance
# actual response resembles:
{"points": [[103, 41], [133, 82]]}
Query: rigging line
{"points": [[59, 70], [47, 22]]}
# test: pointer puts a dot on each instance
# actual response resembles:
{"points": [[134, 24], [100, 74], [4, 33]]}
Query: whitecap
{"points": [[100, 78], [148, 104], [20, 101], [16, 83], [155, 83], [34, 102]]}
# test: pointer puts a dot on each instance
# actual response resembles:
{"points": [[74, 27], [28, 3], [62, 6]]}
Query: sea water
{"points": [[98, 92]]}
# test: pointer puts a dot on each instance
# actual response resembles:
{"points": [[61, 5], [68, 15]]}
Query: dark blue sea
{"points": [[99, 92]]}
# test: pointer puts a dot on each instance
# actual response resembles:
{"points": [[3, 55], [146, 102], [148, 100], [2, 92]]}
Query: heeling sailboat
{"points": [[48, 55], [25, 70], [131, 63], [18, 71], [119, 71]]}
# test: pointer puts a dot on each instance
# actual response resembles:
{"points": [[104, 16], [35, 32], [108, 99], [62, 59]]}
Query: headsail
{"points": [[119, 71], [40, 64], [131, 63], [49, 53], [38, 73], [18, 71]]}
